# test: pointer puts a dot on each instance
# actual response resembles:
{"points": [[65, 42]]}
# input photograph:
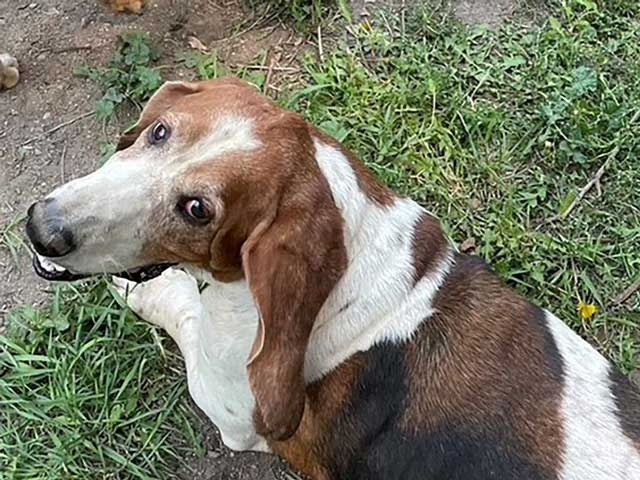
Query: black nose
{"points": [[47, 231]]}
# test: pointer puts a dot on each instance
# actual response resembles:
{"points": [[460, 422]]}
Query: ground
{"points": [[497, 131]]}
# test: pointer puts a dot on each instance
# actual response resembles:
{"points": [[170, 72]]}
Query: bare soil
{"points": [[49, 136]]}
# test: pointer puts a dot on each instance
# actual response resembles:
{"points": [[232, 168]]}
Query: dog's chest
{"points": [[218, 379]]}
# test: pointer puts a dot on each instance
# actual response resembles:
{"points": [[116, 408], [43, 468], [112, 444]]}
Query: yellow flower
{"points": [[587, 310]]}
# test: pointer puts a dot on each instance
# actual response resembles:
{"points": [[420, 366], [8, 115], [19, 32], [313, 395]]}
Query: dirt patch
{"points": [[491, 13], [222, 464]]}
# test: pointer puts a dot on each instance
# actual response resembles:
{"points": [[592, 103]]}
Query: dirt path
{"points": [[51, 38]]}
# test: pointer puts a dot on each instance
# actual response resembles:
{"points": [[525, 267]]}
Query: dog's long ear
{"points": [[291, 262]]}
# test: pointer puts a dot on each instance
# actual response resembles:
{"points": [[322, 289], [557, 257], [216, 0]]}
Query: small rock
{"points": [[41, 57], [46, 116], [9, 73], [33, 5]]}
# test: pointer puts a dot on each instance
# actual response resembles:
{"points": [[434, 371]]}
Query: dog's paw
{"points": [[166, 301]]}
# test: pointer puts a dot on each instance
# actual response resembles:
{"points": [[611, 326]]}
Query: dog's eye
{"points": [[159, 133], [196, 210]]}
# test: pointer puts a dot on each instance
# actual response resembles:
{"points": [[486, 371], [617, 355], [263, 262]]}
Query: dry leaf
{"points": [[130, 6], [468, 246], [196, 44]]}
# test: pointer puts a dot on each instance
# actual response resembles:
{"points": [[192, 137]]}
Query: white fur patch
{"points": [[230, 133], [595, 445], [214, 331], [217, 374], [375, 300]]}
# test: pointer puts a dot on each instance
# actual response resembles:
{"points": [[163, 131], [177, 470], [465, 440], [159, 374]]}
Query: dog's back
{"points": [[490, 387]]}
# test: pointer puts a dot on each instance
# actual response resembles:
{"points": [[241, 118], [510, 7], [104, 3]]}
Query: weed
{"points": [[306, 14], [207, 67], [11, 239], [127, 77]]}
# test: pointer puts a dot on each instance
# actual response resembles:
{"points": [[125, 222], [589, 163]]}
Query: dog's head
{"points": [[214, 175]]}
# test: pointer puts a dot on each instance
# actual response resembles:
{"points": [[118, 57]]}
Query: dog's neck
{"points": [[397, 257], [397, 260]]}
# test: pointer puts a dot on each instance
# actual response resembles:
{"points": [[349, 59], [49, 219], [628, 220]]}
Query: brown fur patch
{"points": [[429, 245], [483, 357], [309, 450], [291, 268]]}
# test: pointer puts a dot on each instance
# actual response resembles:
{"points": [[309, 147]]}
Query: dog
{"points": [[337, 327]]}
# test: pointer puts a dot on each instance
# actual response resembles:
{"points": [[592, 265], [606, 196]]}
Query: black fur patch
{"points": [[368, 443], [627, 400]]}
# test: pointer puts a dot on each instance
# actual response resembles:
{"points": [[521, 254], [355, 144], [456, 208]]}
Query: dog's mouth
{"points": [[49, 270]]}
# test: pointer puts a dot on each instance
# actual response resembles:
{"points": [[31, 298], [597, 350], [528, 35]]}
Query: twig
{"points": [[64, 154], [267, 78], [586, 188], [264, 67], [58, 127], [320, 50], [581, 194], [66, 49], [402, 18], [627, 292]]}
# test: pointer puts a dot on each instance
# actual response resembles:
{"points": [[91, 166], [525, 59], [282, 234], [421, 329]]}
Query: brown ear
{"points": [[160, 102], [291, 265]]}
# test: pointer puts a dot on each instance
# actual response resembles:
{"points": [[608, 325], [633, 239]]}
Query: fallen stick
{"points": [[595, 180], [626, 293], [58, 127]]}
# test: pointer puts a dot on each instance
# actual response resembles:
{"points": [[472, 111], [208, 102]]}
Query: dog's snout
{"points": [[47, 230]]}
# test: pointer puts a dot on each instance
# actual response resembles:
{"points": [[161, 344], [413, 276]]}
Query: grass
{"points": [[11, 239], [89, 391], [494, 131]]}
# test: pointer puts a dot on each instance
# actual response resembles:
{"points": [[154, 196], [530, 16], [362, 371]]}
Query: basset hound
{"points": [[337, 327]]}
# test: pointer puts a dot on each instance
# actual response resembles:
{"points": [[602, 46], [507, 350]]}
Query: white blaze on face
{"points": [[112, 211]]}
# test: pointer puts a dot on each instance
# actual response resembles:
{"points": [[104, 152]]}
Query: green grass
{"points": [[11, 239], [89, 391], [495, 132]]}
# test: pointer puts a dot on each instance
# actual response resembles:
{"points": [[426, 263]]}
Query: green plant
{"points": [[12, 240], [128, 75]]}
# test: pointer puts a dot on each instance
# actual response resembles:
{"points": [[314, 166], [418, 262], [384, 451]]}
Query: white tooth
{"points": [[49, 265]]}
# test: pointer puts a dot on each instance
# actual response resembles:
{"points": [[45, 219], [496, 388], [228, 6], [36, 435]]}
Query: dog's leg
{"points": [[170, 301], [214, 360]]}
